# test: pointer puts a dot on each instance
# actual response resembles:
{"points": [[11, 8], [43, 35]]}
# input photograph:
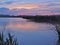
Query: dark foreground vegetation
{"points": [[8, 41], [58, 31]]}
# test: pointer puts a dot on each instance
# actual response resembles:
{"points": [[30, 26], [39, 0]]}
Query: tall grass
{"points": [[57, 26], [10, 40]]}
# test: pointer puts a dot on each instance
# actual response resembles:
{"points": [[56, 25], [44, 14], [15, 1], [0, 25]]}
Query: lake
{"points": [[28, 32]]}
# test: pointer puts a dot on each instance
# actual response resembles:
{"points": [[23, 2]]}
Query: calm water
{"points": [[29, 33]]}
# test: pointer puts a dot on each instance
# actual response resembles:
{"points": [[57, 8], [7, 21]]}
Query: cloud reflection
{"points": [[22, 24]]}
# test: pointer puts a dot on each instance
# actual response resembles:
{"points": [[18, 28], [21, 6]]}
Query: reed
{"points": [[10, 40]]}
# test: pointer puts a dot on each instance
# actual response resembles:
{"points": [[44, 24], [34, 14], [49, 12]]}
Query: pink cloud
{"points": [[44, 8]]}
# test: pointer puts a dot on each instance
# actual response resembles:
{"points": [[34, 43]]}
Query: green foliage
{"points": [[8, 41]]}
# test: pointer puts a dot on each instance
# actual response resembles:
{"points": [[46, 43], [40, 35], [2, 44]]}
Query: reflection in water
{"points": [[30, 33]]}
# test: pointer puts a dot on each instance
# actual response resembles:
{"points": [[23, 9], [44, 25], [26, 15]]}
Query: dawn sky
{"points": [[30, 7]]}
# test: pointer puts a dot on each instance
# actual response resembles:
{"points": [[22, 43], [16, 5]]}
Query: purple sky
{"points": [[30, 7]]}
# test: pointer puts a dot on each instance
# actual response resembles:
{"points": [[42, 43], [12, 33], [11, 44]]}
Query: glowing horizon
{"points": [[35, 7]]}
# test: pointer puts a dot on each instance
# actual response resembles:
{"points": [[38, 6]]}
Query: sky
{"points": [[30, 7]]}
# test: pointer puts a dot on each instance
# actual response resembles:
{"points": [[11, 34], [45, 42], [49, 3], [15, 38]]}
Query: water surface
{"points": [[29, 33]]}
